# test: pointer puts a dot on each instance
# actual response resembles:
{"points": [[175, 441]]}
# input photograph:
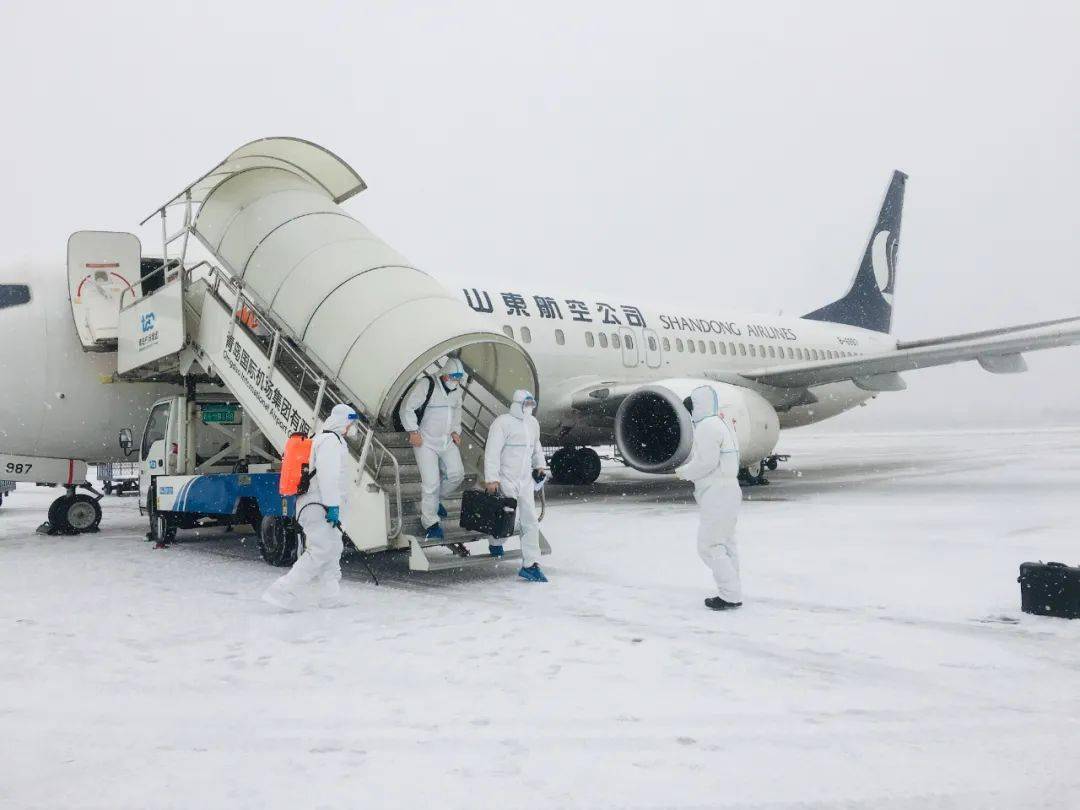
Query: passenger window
{"points": [[731, 348], [701, 346], [508, 331], [590, 341], [629, 342], [12, 295], [156, 426], [742, 349], [798, 353], [772, 352], [678, 344], [652, 344], [560, 338], [526, 335], [667, 345], [815, 354], [690, 347], [603, 340], [753, 350], [712, 347], [615, 342], [762, 348], [723, 347]]}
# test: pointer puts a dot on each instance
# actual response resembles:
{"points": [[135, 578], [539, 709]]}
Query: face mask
{"points": [[528, 409]]}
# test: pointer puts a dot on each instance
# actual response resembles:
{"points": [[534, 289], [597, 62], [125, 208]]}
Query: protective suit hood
{"points": [[341, 416], [704, 401], [516, 407]]}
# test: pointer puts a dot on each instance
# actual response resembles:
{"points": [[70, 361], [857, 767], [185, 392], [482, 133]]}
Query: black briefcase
{"points": [[486, 513], [1050, 589]]}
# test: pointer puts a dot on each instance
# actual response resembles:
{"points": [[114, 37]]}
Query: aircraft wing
{"points": [[997, 350]]}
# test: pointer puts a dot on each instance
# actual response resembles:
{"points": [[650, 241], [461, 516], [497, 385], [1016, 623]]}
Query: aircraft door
{"points": [[653, 355], [630, 347], [153, 450]]}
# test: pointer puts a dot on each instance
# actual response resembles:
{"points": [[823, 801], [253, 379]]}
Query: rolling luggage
{"points": [[1050, 589], [486, 513]]}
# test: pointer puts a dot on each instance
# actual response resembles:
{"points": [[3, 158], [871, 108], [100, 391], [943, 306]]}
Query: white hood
{"points": [[516, 409], [339, 419]]}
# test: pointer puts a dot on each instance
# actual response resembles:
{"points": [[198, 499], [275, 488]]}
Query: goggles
{"points": [[456, 375]]}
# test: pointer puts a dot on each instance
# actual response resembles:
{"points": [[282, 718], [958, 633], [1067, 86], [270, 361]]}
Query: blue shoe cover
{"points": [[532, 574], [495, 551], [434, 532], [442, 511]]}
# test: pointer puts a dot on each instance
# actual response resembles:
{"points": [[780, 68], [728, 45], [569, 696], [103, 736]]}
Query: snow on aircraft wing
{"points": [[996, 350]]}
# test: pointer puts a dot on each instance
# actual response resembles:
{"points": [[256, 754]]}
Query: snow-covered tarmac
{"points": [[881, 660]]}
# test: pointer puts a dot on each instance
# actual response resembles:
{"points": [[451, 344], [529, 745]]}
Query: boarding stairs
{"points": [[239, 343], [298, 306]]}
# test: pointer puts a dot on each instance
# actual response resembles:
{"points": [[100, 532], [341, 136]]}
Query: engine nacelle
{"points": [[654, 431]]}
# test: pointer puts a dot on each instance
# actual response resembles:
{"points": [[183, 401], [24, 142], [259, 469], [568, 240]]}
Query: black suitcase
{"points": [[1050, 589], [486, 513]]}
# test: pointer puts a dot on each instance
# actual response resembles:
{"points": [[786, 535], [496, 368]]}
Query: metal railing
{"points": [[282, 355]]}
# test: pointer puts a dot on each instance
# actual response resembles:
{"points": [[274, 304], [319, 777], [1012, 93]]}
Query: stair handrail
{"points": [[326, 389]]}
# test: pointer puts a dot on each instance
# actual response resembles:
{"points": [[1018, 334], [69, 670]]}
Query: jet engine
{"points": [[654, 431]]}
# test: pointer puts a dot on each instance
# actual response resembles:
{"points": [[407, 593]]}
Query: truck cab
{"points": [[201, 459]]}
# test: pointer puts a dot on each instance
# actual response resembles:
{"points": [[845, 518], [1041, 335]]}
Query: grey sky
{"points": [[734, 153]]}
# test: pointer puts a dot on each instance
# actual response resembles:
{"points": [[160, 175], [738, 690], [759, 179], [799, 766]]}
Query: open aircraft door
{"points": [[101, 266]]}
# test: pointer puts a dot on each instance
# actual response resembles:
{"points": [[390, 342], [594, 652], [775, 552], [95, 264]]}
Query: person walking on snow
{"points": [[512, 456], [431, 413], [315, 577], [713, 466]]}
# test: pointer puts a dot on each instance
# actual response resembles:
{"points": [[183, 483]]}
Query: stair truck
{"points": [[293, 306]]}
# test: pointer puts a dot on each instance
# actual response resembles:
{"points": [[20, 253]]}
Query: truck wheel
{"points": [[75, 514], [278, 537], [162, 531]]}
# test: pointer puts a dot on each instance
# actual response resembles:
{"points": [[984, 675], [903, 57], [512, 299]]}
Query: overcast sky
{"points": [[729, 153]]}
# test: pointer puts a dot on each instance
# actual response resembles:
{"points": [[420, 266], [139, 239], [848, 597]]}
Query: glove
{"points": [[332, 514]]}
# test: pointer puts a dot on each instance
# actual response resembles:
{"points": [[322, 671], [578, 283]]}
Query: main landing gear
{"points": [[73, 513], [575, 465], [746, 479]]}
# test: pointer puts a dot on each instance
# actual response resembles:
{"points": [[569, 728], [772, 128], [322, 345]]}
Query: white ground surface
{"points": [[881, 660]]}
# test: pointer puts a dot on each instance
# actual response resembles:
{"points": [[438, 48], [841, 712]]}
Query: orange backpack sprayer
{"points": [[295, 472]]}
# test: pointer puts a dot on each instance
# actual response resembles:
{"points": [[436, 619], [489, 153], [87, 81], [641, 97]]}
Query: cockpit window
{"points": [[12, 295]]}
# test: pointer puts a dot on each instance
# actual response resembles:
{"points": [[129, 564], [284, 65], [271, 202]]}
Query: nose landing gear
{"points": [[73, 513]]}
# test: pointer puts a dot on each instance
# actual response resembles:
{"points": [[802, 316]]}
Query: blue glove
{"points": [[332, 515]]}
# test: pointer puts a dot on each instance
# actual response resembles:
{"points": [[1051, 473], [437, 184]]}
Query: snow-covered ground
{"points": [[881, 660]]}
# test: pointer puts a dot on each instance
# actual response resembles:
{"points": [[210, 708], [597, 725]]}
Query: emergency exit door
{"points": [[630, 347], [654, 357]]}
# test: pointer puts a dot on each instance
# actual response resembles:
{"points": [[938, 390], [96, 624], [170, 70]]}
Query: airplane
{"points": [[615, 372], [610, 371]]}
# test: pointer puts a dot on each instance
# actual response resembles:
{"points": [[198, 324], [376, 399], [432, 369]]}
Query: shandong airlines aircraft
{"points": [[611, 370], [615, 371]]}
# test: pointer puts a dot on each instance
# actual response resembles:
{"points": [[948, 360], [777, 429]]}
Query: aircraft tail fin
{"points": [[869, 302]]}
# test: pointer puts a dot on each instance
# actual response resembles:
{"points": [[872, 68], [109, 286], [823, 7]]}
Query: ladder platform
{"points": [[420, 560]]}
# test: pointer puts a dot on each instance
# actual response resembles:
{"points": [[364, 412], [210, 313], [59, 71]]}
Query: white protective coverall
{"points": [[438, 458], [713, 466], [316, 576], [513, 451]]}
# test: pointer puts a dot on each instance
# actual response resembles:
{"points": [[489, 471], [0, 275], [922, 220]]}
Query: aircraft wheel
{"points": [[74, 514], [572, 465], [772, 464], [589, 465], [278, 540]]}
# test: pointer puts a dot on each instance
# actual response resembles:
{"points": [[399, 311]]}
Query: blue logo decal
{"points": [[153, 464], [166, 490], [147, 321]]}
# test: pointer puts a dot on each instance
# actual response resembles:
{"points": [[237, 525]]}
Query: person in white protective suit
{"points": [[315, 578], [713, 466], [435, 437], [512, 455]]}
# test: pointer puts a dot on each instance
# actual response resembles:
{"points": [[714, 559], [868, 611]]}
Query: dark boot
{"points": [[716, 603]]}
